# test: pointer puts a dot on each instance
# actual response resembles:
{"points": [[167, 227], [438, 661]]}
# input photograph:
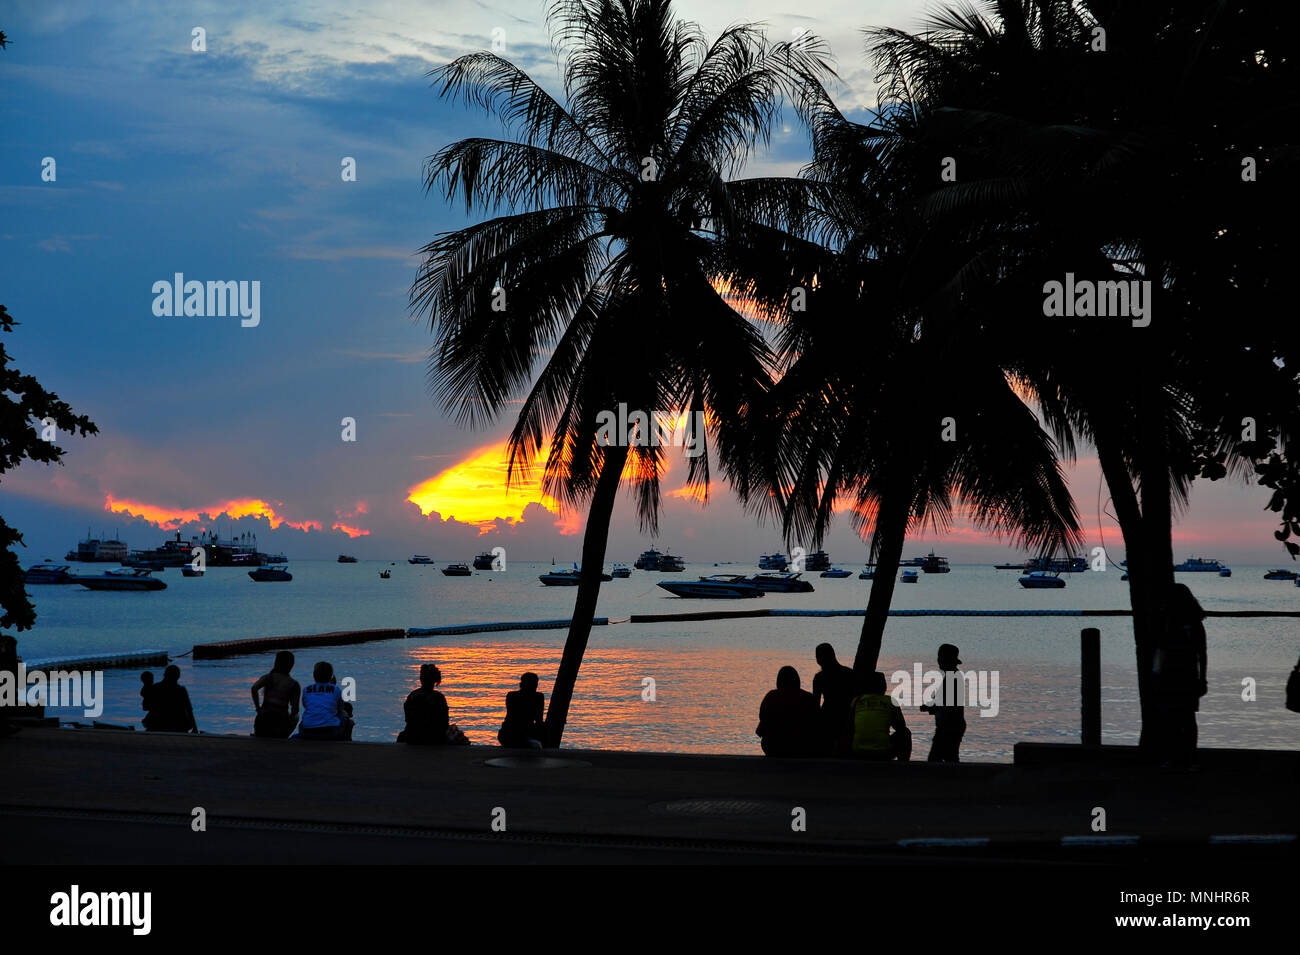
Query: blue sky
{"points": [[224, 165]]}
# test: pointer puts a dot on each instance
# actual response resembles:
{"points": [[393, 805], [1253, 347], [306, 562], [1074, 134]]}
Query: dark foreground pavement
{"points": [[78, 797]]}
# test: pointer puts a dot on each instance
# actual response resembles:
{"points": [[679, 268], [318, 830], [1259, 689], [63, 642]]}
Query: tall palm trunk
{"points": [[891, 531], [594, 541]]}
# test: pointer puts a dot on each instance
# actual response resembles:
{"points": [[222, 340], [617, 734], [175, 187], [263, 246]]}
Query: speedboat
{"points": [[912, 562], [837, 573], [909, 577], [719, 586], [136, 563], [621, 570], [1201, 565], [456, 570], [566, 578], [868, 573], [781, 582], [124, 578], [776, 561], [419, 559], [48, 574], [270, 574], [1042, 580], [668, 564], [1225, 571], [484, 561], [1281, 574], [935, 565], [347, 559]]}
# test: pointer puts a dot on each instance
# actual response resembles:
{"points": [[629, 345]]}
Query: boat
{"points": [[818, 560], [836, 573], [912, 562], [484, 561], [566, 578], [188, 571], [385, 574], [1056, 565], [1225, 571], [1199, 565], [935, 565], [717, 587], [419, 559], [276, 559], [909, 577], [124, 578], [48, 574], [649, 560], [775, 561], [668, 564], [621, 570], [1042, 580], [95, 551], [781, 582], [1123, 577], [1019, 566], [270, 574], [1281, 574], [456, 570], [347, 559], [138, 564], [868, 573]]}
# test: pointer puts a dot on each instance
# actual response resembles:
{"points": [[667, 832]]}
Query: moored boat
{"points": [[347, 559], [484, 561], [817, 560], [621, 570], [716, 587], [48, 574], [836, 573], [188, 571], [456, 570], [270, 574], [1281, 574], [781, 582], [776, 561], [566, 578], [385, 574], [909, 576], [935, 565], [1056, 565], [912, 562], [1042, 580], [419, 559], [1225, 572], [124, 578], [1199, 565], [668, 564], [1019, 566], [868, 573], [649, 560]]}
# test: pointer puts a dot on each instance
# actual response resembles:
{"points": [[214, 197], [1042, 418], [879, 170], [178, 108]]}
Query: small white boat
{"points": [[270, 574], [718, 587], [1042, 580], [419, 559], [621, 570], [566, 578], [48, 574], [909, 577], [123, 578]]}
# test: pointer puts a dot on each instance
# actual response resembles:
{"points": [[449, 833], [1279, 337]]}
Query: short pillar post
{"points": [[1090, 685]]}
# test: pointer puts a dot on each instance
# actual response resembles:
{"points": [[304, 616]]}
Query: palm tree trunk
{"points": [[594, 541], [891, 532]]}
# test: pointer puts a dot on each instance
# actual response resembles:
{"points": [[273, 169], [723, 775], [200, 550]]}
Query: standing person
{"points": [[169, 704], [949, 713], [834, 688], [1179, 670], [277, 709], [788, 721], [427, 719], [874, 713], [325, 714], [524, 725]]}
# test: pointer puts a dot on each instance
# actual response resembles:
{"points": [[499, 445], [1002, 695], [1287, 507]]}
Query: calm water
{"points": [[709, 676]]}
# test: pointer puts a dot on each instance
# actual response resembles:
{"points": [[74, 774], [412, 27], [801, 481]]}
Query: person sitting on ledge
{"points": [[788, 721], [524, 727], [325, 714], [146, 696], [277, 710], [427, 720], [875, 713], [168, 704]]}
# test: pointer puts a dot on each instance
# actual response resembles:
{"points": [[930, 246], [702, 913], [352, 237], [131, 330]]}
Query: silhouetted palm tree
{"points": [[592, 284]]}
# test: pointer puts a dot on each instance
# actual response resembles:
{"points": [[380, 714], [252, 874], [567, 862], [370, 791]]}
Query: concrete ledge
{"points": [[1075, 754], [233, 648]]}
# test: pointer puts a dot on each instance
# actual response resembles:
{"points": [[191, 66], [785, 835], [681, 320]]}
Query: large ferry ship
{"points": [[1056, 565], [1199, 565], [95, 551], [649, 560]]}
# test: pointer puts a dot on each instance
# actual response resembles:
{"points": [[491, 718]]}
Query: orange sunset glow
{"points": [[169, 518], [474, 492]]}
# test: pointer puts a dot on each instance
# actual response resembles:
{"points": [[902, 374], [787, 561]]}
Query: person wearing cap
{"points": [[949, 714]]}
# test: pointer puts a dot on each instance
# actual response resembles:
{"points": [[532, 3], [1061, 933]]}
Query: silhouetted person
{"points": [[1179, 679], [146, 696], [168, 704], [427, 720], [325, 714], [788, 720], [949, 713], [524, 725], [277, 709], [1293, 689], [874, 714], [834, 687]]}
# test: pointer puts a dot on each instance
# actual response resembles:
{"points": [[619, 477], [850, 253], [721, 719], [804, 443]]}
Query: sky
{"points": [[225, 165]]}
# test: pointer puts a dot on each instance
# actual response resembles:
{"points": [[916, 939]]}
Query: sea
{"points": [[691, 687]]}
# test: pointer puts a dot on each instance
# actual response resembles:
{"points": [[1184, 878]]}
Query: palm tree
{"points": [[590, 285]]}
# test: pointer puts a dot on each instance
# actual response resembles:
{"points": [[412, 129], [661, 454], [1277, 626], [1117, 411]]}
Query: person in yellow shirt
{"points": [[874, 714]]}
